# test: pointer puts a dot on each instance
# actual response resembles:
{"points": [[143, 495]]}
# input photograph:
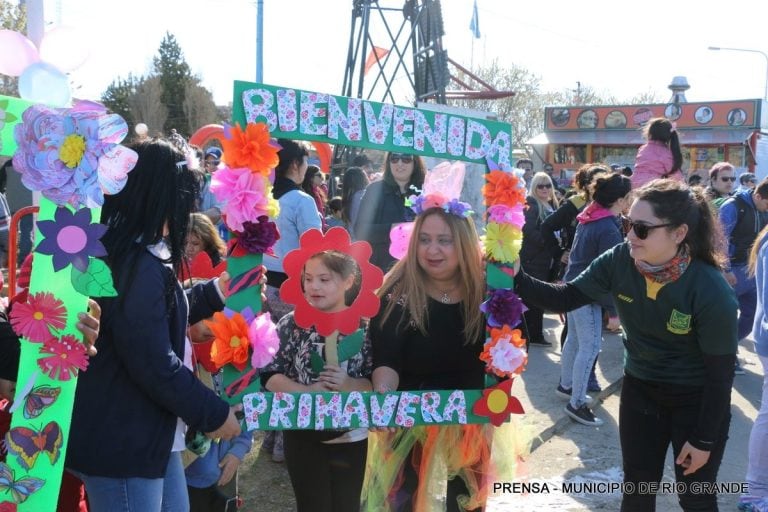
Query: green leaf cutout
{"points": [[3, 104], [350, 345], [96, 281], [9, 118], [317, 363]]}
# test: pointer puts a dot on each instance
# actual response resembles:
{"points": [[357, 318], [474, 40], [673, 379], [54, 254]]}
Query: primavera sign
{"points": [[305, 115], [323, 411]]}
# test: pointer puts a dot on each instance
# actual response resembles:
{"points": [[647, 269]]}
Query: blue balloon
{"points": [[44, 83]]}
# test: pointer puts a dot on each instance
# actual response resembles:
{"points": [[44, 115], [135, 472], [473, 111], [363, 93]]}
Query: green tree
{"points": [[118, 95], [13, 16], [174, 73]]}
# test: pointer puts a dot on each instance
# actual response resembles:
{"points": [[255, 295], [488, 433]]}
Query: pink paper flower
{"points": [[504, 214], [67, 355], [264, 340], [245, 195], [35, 318]]}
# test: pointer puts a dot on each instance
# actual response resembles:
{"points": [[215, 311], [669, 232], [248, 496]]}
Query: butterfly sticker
{"points": [[26, 443], [19, 489], [38, 399]]}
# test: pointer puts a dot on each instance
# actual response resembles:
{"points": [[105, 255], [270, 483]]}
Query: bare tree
{"points": [[146, 104], [199, 108]]}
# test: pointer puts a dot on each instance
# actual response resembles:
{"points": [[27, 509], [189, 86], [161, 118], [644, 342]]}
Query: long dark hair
{"points": [[678, 204], [160, 189], [662, 130], [307, 184], [609, 188], [355, 179]]}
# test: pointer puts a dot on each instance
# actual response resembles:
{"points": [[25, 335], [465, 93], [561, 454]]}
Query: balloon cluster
{"points": [[42, 71]]}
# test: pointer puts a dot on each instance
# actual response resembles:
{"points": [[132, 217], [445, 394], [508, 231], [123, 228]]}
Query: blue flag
{"points": [[474, 24]]}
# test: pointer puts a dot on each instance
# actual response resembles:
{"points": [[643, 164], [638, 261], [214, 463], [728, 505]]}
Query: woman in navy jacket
{"points": [[129, 403]]}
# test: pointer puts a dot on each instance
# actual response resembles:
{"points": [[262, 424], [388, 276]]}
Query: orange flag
{"points": [[376, 54]]}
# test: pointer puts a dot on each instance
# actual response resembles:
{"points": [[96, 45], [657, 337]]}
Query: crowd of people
{"points": [[680, 268]]}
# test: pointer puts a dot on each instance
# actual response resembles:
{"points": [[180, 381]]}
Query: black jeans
{"points": [[651, 415], [325, 477]]}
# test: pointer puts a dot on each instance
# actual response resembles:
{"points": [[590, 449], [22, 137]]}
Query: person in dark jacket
{"points": [[564, 218], [535, 256], [743, 215], [599, 230], [383, 204], [125, 423]]}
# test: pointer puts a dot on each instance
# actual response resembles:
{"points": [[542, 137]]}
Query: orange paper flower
{"points": [[251, 148], [231, 341], [503, 188], [504, 354]]}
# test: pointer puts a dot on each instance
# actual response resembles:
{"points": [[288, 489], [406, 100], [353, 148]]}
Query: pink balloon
{"points": [[16, 53], [65, 48]]}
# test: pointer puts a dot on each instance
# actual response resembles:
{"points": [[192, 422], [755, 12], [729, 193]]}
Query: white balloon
{"points": [[141, 129], [65, 48]]}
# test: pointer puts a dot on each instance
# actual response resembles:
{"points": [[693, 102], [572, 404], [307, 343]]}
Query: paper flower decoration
{"points": [[71, 238], [258, 237], [503, 307], [503, 214], [202, 267], [231, 339], [422, 203], [245, 195], [67, 355], [399, 239], [73, 155], [502, 242], [365, 305], [251, 148], [264, 340], [503, 188], [36, 318], [497, 403], [504, 354]]}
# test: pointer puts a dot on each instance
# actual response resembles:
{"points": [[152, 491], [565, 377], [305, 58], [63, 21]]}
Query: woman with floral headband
{"points": [[383, 204], [431, 298], [679, 315]]}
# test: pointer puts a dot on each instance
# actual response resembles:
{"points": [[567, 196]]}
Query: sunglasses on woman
{"points": [[642, 230], [395, 158], [542, 186]]}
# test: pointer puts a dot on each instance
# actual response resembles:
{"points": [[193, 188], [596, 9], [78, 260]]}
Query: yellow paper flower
{"points": [[273, 207], [72, 150], [502, 242]]}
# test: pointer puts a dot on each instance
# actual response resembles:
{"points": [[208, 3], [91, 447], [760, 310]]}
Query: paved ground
{"points": [[562, 450]]}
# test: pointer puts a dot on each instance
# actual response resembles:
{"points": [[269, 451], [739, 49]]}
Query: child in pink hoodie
{"points": [[660, 157]]}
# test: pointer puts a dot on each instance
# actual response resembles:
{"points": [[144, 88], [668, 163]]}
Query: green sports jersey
{"points": [[668, 327]]}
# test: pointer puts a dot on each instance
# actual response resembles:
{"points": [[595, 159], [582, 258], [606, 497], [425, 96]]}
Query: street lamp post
{"points": [[765, 93]]}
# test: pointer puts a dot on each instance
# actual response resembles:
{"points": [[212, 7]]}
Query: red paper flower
{"points": [[251, 148], [366, 304], [497, 403], [38, 316], [67, 355]]}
